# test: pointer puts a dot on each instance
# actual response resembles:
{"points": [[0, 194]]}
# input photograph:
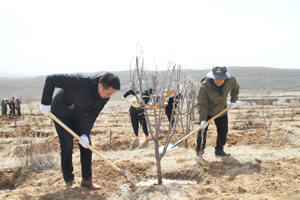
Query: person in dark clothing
{"points": [[9, 106], [211, 100], [169, 107], [4, 107], [77, 104], [18, 106], [12, 107], [137, 113]]}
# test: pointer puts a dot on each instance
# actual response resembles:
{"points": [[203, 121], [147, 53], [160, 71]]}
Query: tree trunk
{"points": [[187, 129], [158, 167]]}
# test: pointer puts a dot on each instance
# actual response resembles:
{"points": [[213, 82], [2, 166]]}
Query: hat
{"points": [[4, 99], [218, 73]]}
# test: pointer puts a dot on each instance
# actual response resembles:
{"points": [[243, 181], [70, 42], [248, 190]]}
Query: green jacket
{"points": [[3, 106], [210, 102]]}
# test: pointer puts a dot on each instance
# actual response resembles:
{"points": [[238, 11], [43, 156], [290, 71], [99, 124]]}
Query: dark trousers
{"points": [[19, 111], [169, 115], [66, 146], [12, 113], [137, 116], [222, 130]]}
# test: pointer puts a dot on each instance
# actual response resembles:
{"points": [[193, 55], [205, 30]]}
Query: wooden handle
{"points": [[200, 127], [218, 115], [88, 146]]}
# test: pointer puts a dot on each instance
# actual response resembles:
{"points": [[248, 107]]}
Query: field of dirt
{"points": [[262, 165]]}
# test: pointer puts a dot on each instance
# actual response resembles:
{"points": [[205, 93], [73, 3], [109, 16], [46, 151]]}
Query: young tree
{"points": [[167, 80], [30, 104], [189, 90]]}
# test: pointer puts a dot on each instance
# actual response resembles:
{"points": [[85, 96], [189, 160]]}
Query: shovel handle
{"points": [[200, 127], [88, 146]]}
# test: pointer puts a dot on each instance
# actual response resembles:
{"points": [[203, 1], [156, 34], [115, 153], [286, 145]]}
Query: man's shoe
{"points": [[137, 137], [222, 154], [90, 184], [71, 185]]}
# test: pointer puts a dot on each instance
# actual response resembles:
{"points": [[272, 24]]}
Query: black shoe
{"points": [[222, 154]]}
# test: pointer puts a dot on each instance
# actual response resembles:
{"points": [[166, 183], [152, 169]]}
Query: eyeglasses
{"points": [[107, 93]]}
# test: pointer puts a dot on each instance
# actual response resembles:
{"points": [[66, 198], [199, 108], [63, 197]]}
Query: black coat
{"points": [[78, 98], [170, 103], [145, 96]]}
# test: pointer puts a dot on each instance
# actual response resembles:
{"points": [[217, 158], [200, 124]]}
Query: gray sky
{"points": [[58, 36]]}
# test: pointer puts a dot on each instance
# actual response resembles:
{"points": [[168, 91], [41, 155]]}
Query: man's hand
{"points": [[232, 105], [45, 109], [84, 141], [204, 124]]}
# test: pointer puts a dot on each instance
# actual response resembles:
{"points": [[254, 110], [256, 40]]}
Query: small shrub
{"points": [[279, 102], [36, 156]]}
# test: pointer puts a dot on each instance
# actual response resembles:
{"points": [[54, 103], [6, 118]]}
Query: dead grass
{"points": [[256, 170]]}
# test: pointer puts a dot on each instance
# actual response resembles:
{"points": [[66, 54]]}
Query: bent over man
{"points": [[211, 100], [77, 105]]}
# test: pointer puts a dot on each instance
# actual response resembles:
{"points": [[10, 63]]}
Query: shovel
{"points": [[90, 147], [175, 146], [133, 102]]}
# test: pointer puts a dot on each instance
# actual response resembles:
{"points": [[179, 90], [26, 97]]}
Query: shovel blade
{"points": [[170, 147], [201, 161]]}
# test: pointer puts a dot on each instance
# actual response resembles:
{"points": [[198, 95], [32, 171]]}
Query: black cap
{"points": [[218, 73]]}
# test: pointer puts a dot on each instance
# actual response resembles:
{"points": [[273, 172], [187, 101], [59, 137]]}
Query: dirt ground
{"points": [[262, 165]]}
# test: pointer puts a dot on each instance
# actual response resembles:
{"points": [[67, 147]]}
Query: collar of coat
{"points": [[215, 87], [94, 85]]}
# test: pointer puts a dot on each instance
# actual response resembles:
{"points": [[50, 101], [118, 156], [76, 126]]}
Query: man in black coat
{"points": [[77, 105], [18, 106]]}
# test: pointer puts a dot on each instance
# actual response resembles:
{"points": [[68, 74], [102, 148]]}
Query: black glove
{"points": [[128, 93]]}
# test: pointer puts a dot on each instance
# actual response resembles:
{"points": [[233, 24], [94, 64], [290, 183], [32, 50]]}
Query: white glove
{"points": [[123, 97], [84, 141], [204, 124], [45, 109], [232, 105]]}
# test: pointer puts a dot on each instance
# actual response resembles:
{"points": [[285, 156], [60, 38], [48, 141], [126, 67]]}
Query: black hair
{"points": [[147, 92], [110, 80]]}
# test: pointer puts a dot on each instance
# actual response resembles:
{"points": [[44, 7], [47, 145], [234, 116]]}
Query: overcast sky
{"points": [[57, 36]]}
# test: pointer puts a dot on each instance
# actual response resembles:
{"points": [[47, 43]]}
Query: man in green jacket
{"points": [[212, 99], [4, 107]]}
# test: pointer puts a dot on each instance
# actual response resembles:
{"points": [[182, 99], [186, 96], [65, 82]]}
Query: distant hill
{"points": [[250, 79]]}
